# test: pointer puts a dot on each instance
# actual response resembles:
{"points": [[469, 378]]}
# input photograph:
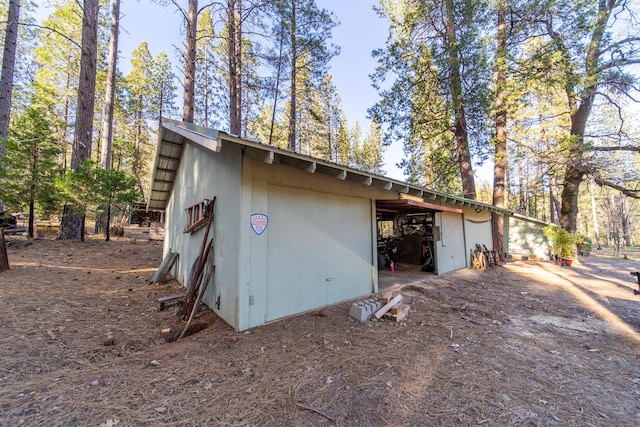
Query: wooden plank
{"points": [[400, 316], [397, 308], [378, 314], [164, 300], [165, 266]]}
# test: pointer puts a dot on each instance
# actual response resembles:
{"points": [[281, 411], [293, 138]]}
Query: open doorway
{"points": [[405, 236]]}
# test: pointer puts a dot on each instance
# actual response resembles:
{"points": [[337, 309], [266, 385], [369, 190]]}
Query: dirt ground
{"points": [[528, 343]]}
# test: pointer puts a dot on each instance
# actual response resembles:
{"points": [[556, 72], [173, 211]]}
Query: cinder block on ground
{"points": [[359, 312], [362, 310]]}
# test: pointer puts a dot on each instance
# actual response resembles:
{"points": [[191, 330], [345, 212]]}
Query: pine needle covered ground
{"points": [[527, 343]]}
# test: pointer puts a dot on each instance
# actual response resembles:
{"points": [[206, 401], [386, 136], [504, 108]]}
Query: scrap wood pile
{"points": [[200, 276], [9, 225], [11, 228], [387, 307]]}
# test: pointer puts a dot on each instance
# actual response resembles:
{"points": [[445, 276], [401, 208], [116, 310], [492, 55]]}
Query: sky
{"points": [[359, 33]]}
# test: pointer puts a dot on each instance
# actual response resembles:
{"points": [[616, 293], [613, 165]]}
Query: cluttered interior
{"points": [[405, 233]]}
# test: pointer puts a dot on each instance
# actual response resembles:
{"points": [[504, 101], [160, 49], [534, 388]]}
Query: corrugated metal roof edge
{"points": [[341, 171]]}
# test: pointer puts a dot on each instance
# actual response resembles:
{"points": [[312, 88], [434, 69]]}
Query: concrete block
{"points": [[362, 310], [359, 312]]}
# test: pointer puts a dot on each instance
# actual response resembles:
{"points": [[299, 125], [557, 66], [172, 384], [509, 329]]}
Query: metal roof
{"points": [[173, 134]]}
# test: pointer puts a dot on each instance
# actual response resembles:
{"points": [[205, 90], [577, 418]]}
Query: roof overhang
{"points": [[173, 135], [412, 206]]}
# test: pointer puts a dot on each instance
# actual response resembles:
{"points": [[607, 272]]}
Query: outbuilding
{"points": [[293, 233]]}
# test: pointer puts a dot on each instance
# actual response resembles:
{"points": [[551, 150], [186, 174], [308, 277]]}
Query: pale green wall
{"points": [[330, 280], [203, 175], [477, 229], [524, 236], [449, 245]]}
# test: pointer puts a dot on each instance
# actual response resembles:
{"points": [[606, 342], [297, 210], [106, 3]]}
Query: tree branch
{"points": [[53, 30], [634, 194], [617, 148], [622, 62]]}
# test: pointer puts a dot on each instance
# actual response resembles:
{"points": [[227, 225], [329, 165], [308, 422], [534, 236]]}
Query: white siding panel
{"points": [[319, 250], [450, 249]]}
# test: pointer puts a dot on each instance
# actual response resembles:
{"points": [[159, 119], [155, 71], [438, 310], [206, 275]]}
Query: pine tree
{"points": [[437, 103], [29, 170], [57, 55], [107, 124], [8, 66], [72, 225], [305, 31]]}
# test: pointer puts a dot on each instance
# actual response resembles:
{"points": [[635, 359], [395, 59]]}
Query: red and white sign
{"points": [[259, 223]]}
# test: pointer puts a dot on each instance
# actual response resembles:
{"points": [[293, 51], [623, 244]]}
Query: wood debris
{"points": [[395, 300]]}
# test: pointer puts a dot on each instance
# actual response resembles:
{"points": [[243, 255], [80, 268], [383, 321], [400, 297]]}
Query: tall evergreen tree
{"points": [[29, 170], [107, 124], [305, 31], [8, 66], [191, 23], [57, 54], [149, 90], [72, 225], [437, 56]]}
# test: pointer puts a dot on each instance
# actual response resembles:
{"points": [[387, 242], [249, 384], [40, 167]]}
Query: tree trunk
{"points": [[107, 125], [190, 62], [292, 107], [67, 106], [500, 163], [522, 200], [594, 213], [581, 109], [554, 200], [278, 75], [8, 65], [234, 47], [82, 139], [460, 126], [624, 220], [108, 228], [206, 88], [4, 259], [72, 224], [32, 210]]}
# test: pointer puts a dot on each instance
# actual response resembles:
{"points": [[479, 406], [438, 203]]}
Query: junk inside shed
{"points": [[405, 233]]}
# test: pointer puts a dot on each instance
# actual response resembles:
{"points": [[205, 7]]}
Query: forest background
{"points": [[545, 92]]}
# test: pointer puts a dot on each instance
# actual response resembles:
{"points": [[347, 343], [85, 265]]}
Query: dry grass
{"points": [[529, 343]]}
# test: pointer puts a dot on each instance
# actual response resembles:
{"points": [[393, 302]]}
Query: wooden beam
{"points": [[378, 314]]}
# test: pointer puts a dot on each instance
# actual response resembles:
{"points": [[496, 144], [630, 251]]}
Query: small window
{"points": [[196, 216]]}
